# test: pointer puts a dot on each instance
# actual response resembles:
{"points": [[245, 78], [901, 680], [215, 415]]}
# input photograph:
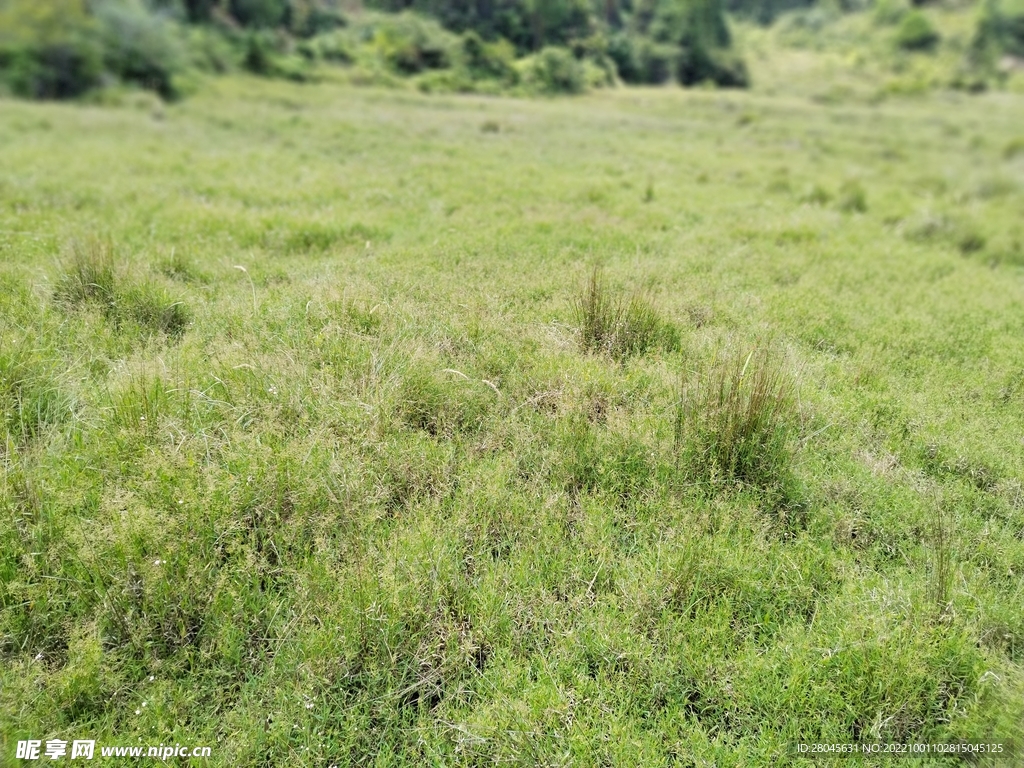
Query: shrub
{"points": [[489, 60], [916, 33], [336, 47], [409, 43], [264, 14], [640, 60], [259, 53], [318, 20], [766, 11], [719, 66], [49, 49], [890, 12], [620, 327], [141, 47], [554, 70], [734, 421], [1000, 29], [210, 51]]}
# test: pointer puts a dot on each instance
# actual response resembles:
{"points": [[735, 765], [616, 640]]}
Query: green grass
{"points": [[364, 497]]}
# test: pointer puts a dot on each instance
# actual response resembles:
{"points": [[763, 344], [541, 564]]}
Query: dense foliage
{"points": [[66, 48], [63, 48], [1000, 29]]}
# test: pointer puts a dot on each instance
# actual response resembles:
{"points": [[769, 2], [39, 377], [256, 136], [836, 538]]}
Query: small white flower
{"points": [[138, 711], [151, 678], [157, 561], [181, 501], [39, 657], [144, 703]]}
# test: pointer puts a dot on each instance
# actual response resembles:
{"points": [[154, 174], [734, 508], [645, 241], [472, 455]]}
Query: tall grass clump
{"points": [[614, 324], [31, 397], [90, 278], [735, 419]]}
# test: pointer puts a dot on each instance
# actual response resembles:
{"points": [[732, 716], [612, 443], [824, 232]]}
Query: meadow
{"points": [[347, 426]]}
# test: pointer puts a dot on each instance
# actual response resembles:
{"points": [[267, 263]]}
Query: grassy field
{"points": [[351, 427]]}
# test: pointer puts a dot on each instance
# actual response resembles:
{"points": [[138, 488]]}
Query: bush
{"points": [[210, 51], [735, 419], [640, 60], [409, 43], [999, 31], [916, 33], [263, 14], [719, 66], [766, 11], [689, 42], [554, 70], [485, 60], [141, 47], [49, 49], [890, 12], [318, 20], [260, 48]]}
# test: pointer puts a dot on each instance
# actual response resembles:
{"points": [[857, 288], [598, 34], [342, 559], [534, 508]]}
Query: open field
{"points": [[313, 453]]}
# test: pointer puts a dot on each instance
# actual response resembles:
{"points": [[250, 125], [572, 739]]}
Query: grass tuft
{"points": [[90, 277], [852, 198], [607, 323], [30, 396], [735, 419]]}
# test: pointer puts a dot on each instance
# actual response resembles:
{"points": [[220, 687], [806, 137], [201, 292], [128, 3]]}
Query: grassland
{"points": [[311, 457]]}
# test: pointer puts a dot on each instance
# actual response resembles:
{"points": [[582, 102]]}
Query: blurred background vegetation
{"points": [[70, 48]]}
